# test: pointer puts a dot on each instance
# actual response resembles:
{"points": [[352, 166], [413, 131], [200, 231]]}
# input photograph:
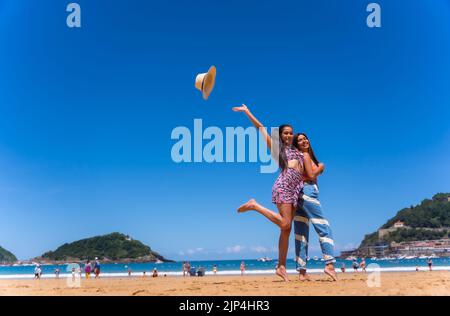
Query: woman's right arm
{"points": [[256, 123], [311, 172]]}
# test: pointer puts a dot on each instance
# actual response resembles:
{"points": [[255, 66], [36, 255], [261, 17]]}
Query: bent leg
{"points": [[276, 218]]}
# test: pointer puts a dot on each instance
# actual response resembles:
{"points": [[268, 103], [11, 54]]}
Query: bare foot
{"points": [[303, 276], [329, 270], [250, 205], [281, 272]]}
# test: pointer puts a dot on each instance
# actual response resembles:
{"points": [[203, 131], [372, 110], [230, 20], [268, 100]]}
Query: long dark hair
{"points": [[310, 150], [282, 159]]}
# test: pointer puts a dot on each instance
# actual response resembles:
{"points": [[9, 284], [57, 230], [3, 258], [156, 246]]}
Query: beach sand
{"points": [[392, 283]]}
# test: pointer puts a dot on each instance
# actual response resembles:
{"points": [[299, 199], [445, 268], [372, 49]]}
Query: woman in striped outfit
{"points": [[309, 210]]}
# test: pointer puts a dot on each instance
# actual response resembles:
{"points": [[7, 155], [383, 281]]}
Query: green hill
{"points": [[6, 256], [427, 221], [114, 247]]}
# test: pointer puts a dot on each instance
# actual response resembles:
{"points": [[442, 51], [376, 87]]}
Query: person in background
{"points": [[129, 271], [215, 269], [355, 265], [87, 269], [201, 271], [37, 272], [363, 265], [80, 269], [430, 264], [343, 267], [73, 274], [184, 268], [188, 268], [242, 268], [155, 273], [57, 271], [97, 268]]}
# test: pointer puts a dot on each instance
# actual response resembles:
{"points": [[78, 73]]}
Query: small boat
{"points": [[373, 258], [264, 259], [315, 258], [158, 261]]}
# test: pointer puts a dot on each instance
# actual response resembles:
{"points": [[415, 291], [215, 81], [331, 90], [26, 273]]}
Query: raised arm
{"points": [[243, 108], [311, 172]]}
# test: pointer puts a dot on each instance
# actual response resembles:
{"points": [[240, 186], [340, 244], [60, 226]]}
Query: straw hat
{"points": [[205, 82]]}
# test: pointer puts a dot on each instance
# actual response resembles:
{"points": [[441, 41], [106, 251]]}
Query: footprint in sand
{"points": [[137, 292], [194, 288]]}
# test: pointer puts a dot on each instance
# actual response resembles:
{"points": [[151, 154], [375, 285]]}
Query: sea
{"points": [[225, 267]]}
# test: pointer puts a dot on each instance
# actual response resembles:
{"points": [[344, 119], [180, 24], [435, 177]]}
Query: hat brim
{"points": [[209, 82]]}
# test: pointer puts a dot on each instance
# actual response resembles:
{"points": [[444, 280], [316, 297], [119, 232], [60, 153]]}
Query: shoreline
{"points": [[265, 272]]}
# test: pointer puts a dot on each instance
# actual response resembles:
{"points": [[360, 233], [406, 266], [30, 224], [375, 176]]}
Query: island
{"points": [[114, 247], [6, 257]]}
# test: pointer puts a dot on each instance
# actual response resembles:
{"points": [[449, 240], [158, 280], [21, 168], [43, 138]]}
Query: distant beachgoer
{"points": [[73, 274], [201, 272], [97, 268], [242, 268], [363, 265], [355, 265], [343, 267], [129, 272], [430, 264], [184, 268], [188, 268], [57, 271], [215, 269], [417, 269], [37, 272], [155, 273], [87, 269]]}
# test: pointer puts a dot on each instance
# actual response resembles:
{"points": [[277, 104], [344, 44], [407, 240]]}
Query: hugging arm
{"points": [[312, 172]]}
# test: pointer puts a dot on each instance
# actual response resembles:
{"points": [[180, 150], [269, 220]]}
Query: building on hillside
{"points": [[440, 247]]}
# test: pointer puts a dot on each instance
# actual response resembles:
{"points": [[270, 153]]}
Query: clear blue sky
{"points": [[86, 116]]}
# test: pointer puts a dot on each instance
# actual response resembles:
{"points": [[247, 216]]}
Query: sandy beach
{"points": [[392, 283]]}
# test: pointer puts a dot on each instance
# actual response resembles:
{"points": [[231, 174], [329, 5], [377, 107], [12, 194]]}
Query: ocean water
{"points": [[226, 267]]}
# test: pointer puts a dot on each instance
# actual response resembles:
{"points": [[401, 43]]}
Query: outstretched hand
{"points": [[242, 108]]}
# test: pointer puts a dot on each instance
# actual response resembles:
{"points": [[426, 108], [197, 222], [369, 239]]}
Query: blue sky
{"points": [[86, 117]]}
